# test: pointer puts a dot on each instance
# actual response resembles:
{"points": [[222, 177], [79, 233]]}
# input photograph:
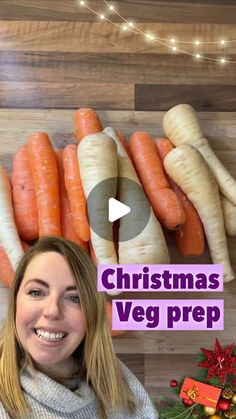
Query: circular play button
{"points": [[121, 199]]}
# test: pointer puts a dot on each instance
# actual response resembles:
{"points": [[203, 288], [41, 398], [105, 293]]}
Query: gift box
{"points": [[201, 393]]}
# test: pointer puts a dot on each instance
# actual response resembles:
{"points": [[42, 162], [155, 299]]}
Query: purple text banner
{"points": [[199, 278], [168, 314]]}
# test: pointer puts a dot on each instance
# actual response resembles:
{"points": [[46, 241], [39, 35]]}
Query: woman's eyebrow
{"points": [[40, 281]]}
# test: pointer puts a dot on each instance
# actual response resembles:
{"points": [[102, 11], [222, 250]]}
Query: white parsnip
{"points": [[97, 157], [186, 166], [229, 211], [149, 246], [181, 126], [9, 237]]}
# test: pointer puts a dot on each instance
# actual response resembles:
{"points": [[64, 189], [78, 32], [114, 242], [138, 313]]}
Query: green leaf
{"points": [[178, 411]]}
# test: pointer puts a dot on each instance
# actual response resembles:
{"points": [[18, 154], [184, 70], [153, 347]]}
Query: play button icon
{"points": [[117, 210], [121, 200]]}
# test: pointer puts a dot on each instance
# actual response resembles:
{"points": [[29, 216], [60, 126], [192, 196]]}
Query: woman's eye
{"points": [[74, 298], [34, 293]]}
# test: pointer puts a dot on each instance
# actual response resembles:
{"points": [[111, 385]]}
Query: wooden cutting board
{"points": [[220, 129]]}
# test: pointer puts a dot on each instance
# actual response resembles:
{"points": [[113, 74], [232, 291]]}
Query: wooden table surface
{"points": [[56, 57]]}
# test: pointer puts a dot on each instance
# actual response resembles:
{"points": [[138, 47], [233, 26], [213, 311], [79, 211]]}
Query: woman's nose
{"points": [[52, 308]]}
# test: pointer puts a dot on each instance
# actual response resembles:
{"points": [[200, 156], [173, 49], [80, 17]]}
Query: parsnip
{"points": [[181, 126], [229, 211], [149, 246], [188, 169], [9, 237], [97, 157]]}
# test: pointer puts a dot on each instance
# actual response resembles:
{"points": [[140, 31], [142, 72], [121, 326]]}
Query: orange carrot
{"points": [[149, 167], [43, 167], [67, 224], [24, 197], [109, 317], [75, 192], [164, 146], [86, 122], [190, 236], [25, 245], [6, 269]]}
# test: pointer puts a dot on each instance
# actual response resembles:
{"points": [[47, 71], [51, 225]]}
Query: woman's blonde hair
{"points": [[99, 365]]}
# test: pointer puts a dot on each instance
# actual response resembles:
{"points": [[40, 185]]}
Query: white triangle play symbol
{"points": [[116, 209]]}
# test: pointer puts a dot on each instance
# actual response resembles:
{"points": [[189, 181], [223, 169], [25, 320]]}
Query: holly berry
{"points": [[187, 402], [173, 383], [223, 405]]}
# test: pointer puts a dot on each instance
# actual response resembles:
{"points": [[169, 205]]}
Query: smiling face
{"points": [[48, 300]]}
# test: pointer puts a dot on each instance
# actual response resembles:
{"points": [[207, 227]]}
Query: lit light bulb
{"points": [[172, 41]]}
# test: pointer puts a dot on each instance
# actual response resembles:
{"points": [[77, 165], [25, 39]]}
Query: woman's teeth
{"points": [[49, 336]]}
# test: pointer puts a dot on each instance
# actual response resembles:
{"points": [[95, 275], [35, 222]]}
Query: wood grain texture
{"points": [[55, 95], [56, 56], [112, 69], [163, 97], [212, 11], [60, 43], [103, 37]]}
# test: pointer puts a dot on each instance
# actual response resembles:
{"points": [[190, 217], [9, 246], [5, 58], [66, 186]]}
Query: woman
{"points": [[56, 354]]}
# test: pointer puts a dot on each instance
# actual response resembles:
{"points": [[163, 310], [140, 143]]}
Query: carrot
{"points": [[75, 191], [186, 166], [181, 126], [149, 246], [229, 211], [163, 199], [67, 224], [43, 167], [86, 122], [109, 318], [24, 197], [6, 269], [25, 245], [97, 156], [9, 237], [190, 236], [164, 146]]}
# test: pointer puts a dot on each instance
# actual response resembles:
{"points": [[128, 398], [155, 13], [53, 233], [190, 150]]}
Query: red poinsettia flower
{"points": [[219, 362]]}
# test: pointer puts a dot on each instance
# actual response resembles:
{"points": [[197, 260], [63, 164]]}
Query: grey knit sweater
{"points": [[49, 399]]}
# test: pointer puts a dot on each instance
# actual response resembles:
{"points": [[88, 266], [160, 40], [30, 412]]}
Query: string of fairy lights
{"points": [[170, 43]]}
